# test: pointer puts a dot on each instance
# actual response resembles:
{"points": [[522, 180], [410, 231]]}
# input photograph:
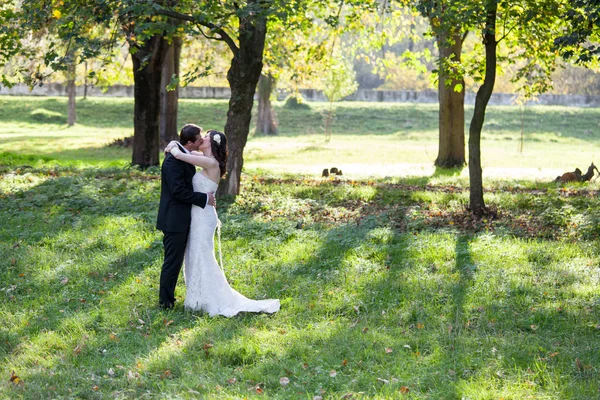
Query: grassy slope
{"points": [[388, 288], [369, 138]]}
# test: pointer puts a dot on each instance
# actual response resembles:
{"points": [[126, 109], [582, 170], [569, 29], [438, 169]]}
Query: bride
{"points": [[206, 286]]}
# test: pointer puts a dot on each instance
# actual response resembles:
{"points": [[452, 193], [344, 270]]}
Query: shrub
{"points": [[296, 102]]}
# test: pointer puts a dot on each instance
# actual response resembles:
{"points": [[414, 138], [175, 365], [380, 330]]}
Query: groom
{"points": [[174, 212]]}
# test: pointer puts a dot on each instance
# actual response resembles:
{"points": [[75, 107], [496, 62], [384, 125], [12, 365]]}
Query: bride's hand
{"points": [[176, 152], [172, 144]]}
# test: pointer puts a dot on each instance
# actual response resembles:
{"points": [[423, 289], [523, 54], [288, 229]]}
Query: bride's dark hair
{"points": [[219, 149]]}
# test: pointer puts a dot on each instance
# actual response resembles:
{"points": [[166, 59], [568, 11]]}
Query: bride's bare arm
{"points": [[200, 161]]}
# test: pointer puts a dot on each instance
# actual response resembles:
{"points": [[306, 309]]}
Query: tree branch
{"points": [[184, 17]]}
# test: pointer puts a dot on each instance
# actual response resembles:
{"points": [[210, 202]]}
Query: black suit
{"points": [[174, 216]]}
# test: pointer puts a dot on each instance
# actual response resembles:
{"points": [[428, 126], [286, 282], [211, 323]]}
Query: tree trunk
{"points": [[265, 123], [451, 151], [147, 65], [243, 75], [71, 93], [484, 93], [85, 81], [169, 98]]}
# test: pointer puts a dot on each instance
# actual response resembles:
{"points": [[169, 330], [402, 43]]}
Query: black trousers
{"points": [[174, 245]]}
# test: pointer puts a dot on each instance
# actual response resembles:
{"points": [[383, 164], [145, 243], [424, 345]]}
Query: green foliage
{"points": [[339, 80], [579, 41]]}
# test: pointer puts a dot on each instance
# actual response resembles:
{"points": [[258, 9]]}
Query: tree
{"points": [[294, 50], [95, 29], [447, 27], [169, 93], [339, 81], [580, 40], [528, 27], [243, 27], [265, 118], [484, 93]]}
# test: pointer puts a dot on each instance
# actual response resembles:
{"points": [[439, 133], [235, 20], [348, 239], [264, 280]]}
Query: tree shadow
{"points": [[362, 282]]}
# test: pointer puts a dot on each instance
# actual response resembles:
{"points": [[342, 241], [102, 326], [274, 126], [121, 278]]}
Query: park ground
{"points": [[389, 287]]}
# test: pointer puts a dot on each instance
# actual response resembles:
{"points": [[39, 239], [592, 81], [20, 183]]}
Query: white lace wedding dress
{"points": [[206, 285]]}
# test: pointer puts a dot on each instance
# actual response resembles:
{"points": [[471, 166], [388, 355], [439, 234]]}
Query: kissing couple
{"points": [[188, 218]]}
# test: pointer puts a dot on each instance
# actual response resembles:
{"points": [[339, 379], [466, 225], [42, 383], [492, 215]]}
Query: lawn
{"points": [[389, 289]]}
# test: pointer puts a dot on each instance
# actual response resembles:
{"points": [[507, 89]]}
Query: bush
{"points": [[296, 102], [48, 117]]}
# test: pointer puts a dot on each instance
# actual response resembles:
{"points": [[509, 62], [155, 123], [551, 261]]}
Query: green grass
{"points": [[389, 289]]}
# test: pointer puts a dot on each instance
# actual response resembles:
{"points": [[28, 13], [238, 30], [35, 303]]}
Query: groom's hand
{"points": [[211, 201]]}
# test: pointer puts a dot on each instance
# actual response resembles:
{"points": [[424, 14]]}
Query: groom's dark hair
{"points": [[188, 133]]}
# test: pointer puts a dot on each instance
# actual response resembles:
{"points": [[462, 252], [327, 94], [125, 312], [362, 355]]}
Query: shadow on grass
{"points": [[360, 288]]}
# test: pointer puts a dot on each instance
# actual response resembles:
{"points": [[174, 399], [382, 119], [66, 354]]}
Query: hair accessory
{"points": [[217, 138]]}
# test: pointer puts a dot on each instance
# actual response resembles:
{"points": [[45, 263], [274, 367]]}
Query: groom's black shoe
{"points": [[165, 306]]}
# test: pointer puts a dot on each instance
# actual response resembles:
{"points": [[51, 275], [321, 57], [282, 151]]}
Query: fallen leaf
{"points": [[259, 390], [95, 388], [132, 375], [112, 336], [365, 329], [14, 378], [579, 364], [167, 323], [404, 390], [284, 381], [344, 363]]}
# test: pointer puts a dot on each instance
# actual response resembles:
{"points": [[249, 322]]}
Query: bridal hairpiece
{"points": [[217, 138]]}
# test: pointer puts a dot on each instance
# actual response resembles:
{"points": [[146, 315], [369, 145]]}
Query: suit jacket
{"points": [[177, 195]]}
